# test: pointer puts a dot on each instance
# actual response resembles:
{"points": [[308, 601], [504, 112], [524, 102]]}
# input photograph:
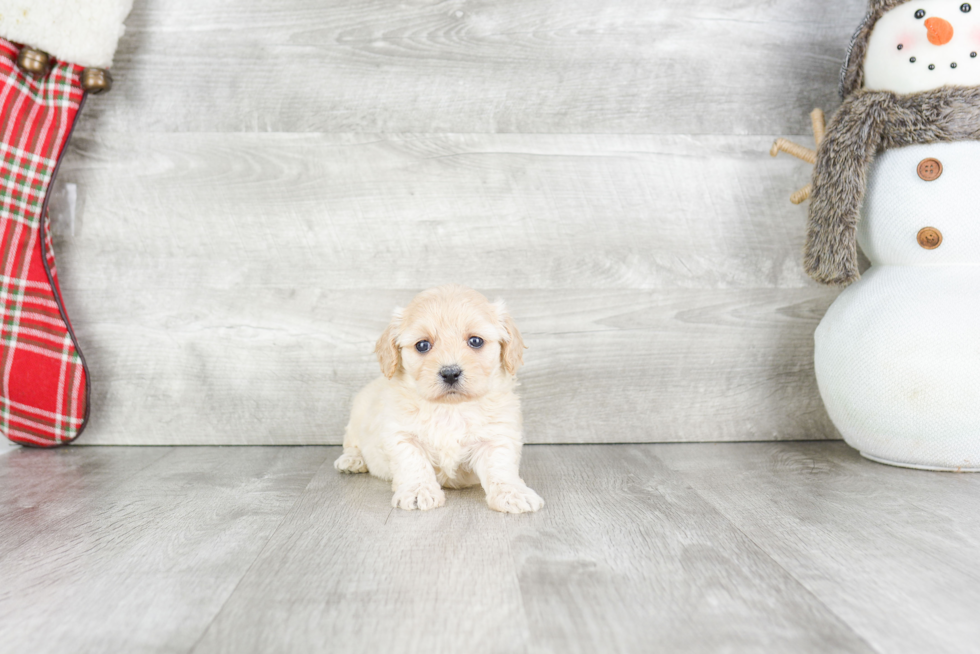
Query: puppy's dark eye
{"points": [[423, 346], [920, 14], [965, 7], [475, 342]]}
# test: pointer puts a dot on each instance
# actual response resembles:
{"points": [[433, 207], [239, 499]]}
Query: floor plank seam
{"points": [[259, 554], [769, 556], [117, 482], [528, 644], [694, 548]]}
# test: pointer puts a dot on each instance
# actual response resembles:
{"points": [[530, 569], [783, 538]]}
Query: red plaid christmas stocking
{"points": [[44, 388]]}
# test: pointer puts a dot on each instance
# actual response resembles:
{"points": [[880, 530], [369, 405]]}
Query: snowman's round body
{"points": [[897, 355]]}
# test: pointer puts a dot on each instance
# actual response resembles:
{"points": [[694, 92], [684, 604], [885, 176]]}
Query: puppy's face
{"points": [[450, 344]]}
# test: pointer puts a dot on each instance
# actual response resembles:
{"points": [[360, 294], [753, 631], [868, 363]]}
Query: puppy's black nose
{"points": [[450, 374]]}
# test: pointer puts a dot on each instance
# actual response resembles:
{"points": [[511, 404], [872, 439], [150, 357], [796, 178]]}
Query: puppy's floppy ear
{"points": [[512, 348], [389, 354]]}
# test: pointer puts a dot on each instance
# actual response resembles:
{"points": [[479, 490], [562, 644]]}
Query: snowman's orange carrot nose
{"points": [[940, 31]]}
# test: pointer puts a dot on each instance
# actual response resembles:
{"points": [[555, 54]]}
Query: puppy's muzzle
{"points": [[451, 375]]}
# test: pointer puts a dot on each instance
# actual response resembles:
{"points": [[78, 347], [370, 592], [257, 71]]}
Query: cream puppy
{"points": [[444, 413]]}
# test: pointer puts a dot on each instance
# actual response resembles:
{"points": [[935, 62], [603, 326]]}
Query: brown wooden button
{"points": [[929, 238], [96, 80], [33, 61], [929, 169]]}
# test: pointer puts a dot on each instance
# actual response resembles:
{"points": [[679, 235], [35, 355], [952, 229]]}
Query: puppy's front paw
{"points": [[418, 497], [510, 498], [351, 463]]}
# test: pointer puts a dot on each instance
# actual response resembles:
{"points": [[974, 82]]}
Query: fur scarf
{"points": [[869, 122]]}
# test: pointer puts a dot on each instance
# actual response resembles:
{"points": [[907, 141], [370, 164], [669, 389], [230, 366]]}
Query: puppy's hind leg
{"points": [[351, 461]]}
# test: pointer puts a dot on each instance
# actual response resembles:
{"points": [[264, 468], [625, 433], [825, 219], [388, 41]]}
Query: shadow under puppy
{"points": [[444, 414]]}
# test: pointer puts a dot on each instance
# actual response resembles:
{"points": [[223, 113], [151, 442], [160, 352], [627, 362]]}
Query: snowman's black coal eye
{"points": [[973, 55], [920, 14], [965, 7], [475, 342], [423, 346]]}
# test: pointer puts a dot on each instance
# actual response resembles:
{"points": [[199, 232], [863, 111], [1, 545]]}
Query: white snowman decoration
{"points": [[897, 355]]}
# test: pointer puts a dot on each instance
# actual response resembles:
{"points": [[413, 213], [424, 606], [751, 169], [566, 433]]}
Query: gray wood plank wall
{"points": [[268, 180]]}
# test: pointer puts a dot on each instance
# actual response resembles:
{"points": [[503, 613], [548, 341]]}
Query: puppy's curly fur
{"points": [[444, 413], [867, 123]]}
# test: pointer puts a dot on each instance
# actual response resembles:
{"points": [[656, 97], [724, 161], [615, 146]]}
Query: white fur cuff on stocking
{"points": [[83, 32]]}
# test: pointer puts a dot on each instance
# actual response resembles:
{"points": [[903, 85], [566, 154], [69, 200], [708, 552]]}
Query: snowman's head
{"points": [[915, 45]]}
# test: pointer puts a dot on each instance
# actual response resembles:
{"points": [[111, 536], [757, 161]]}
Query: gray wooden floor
{"points": [[775, 547]]}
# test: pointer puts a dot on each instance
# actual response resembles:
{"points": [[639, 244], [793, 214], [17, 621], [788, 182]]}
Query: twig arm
{"points": [[819, 124], [801, 196], [798, 151]]}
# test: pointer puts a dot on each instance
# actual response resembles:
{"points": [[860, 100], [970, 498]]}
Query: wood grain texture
{"points": [[628, 558], [891, 551], [624, 557], [260, 189], [139, 562], [235, 211], [689, 548], [346, 572], [281, 366], [658, 305], [43, 491], [478, 66]]}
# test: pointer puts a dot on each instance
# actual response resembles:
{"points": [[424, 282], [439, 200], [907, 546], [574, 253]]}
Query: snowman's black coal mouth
{"points": [[952, 64]]}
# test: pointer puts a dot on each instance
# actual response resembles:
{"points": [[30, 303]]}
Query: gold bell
{"points": [[96, 80], [33, 62]]}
